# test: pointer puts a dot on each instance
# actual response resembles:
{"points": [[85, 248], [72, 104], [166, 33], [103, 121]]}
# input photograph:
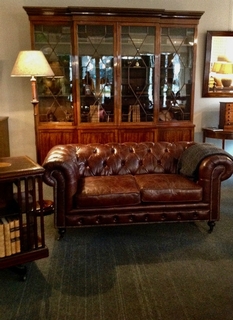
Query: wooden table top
{"points": [[11, 167]]}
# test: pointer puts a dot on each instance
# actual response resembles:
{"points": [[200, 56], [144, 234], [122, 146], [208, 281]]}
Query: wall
{"points": [[15, 93]]}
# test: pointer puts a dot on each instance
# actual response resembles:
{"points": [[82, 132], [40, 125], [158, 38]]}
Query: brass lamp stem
{"points": [[34, 95], [35, 103]]}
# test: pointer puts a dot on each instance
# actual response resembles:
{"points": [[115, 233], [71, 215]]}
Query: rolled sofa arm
{"points": [[61, 158], [61, 172], [208, 166], [192, 158], [212, 171], [216, 167]]}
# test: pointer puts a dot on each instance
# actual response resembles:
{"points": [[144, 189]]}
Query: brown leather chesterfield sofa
{"points": [[126, 183]]}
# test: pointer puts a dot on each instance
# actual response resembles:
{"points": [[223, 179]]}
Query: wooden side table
{"points": [[215, 133], [21, 198]]}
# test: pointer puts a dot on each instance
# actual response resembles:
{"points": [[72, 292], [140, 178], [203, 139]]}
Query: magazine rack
{"points": [[21, 213]]}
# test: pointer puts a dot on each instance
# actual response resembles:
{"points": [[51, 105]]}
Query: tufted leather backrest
{"points": [[129, 158]]}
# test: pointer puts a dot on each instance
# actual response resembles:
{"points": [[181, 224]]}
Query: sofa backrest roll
{"points": [[129, 158]]}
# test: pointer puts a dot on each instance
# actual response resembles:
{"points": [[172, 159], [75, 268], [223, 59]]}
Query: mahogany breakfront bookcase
{"points": [[120, 75]]}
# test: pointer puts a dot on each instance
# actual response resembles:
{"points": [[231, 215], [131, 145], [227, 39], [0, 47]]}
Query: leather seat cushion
{"points": [[108, 191], [168, 188]]}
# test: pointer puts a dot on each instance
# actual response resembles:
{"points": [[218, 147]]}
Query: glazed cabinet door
{"points": [[55, 94], [95, 49], [177, 45], [137, 73]]}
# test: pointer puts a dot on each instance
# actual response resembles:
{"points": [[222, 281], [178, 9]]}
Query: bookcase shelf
{"points": [[21, 213]]}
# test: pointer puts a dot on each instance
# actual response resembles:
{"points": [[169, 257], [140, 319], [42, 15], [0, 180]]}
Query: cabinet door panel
{"points": [[97, 136], [175, 134], [137, 73], [96, 73], [49, 139], [136, 135], [176, 72], [55, 94]]}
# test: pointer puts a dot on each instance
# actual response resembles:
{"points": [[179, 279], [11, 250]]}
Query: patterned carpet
{"points": [[148, 272]]}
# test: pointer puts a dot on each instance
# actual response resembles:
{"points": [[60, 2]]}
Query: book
{"points": [[7, 236], [2, 240], [134, 113], [17, 236], [94, 113], [12, 234]]}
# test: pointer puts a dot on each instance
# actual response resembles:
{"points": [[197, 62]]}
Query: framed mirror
{"points": [[218, 67]]}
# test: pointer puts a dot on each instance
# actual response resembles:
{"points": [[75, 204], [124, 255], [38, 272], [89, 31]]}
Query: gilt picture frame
{"points": [[218, 65]]}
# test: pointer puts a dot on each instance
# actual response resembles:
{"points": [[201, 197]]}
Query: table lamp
{"points": [[32, 63]]}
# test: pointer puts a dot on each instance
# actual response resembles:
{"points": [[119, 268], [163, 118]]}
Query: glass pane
{"points": [[95, 45], [137, 50], [55, 94], [176, 73]]}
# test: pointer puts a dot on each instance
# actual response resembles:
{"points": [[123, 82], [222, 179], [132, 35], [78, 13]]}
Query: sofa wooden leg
{"points": [[211, 224], [61, 232]]}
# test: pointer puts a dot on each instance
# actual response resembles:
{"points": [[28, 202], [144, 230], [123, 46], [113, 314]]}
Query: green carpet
{"points": [[161, 271]]}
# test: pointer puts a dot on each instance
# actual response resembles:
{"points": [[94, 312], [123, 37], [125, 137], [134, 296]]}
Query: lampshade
{"points": [[216, 66], [31, 63], [226, 68]]}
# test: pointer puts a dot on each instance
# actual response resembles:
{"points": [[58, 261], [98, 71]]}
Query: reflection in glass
{"points": [[221, 64], [176, 73], [55, 94], [137, 50], [96, 73]]}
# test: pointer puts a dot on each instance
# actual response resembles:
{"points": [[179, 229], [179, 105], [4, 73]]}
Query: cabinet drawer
{"points": [[226, 115], [229, 113]]}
